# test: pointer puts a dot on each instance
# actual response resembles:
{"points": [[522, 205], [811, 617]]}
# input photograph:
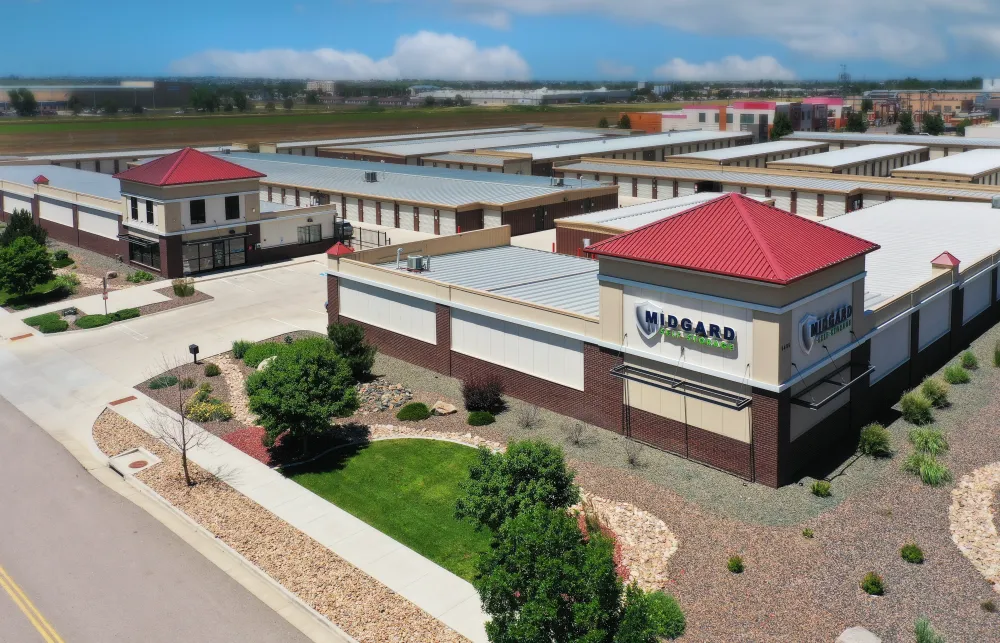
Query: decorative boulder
{"points": [[857, 634], [443, 408], [112, 274], [265, 362]]}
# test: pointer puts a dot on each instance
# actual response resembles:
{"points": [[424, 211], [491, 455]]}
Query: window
{"points": [[729, 118], [716, 117], [233, 207], [209, 255], [149, 212], [134, 202], [197, 211], [701, 117], [310, 233], [144, 253], [746, 119]]}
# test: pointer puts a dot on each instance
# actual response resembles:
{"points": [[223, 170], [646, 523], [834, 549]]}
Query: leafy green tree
{"points": [[240, 101], [429, 101], [74, 104], [905, 124], [349, 340], [23, 101], [782, 126], [625, 122], [932, 124], [305, 385], [867, 105], [24, 264], [205, 98], [502, 485], [138, 110], [857, 122], [288, 103], [269, 107], [110, 107], [541, 581], [22, 224], [603, 122], [960, 128], [312, 97]]}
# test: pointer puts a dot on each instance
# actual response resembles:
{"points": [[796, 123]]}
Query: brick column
{"points": [[332, 300], [956, 338], [36, 209], [771, 414], [443, 329], [605, 391], [171, 262], [76, 223], [3, 216], [916, 369]]}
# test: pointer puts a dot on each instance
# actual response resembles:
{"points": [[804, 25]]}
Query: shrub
{"points": [[483, 393], [413, 412], [925, 633], [187, 383], [912, 554], [481, 418], [929, 441], [162, 381], [203, 394], [349, 340], [956, 374], [66, 283], [125, 313], [665, 615], [820, 488], [735, 564], [503, 485], [24, 265], [209, 411], [140, 276], [529, 417], [633, 451], [21, 223], [53, 326], [928, 468], [936, 392], [212, 370], [289, 339], [93, 321], [875, 441], [257, 353], [969, 360], [988, 606], [996, 354], [916, 408], [808, 533], [183, 287], [60, 255], [240, 347], [872, 584], [38, 320]]}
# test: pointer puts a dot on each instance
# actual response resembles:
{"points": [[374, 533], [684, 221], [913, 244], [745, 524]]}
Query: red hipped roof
{"points": [[339, 249], [737, 237], [945, 259], [187, 166]]}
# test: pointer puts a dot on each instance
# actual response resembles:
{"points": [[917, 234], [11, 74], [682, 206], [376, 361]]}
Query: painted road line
{"points": [[318, 312], [233, 283], [28, 608], [135, 335], [286, 323]]}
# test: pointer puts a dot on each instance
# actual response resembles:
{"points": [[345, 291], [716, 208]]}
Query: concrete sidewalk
{"points": [[427, 585]]}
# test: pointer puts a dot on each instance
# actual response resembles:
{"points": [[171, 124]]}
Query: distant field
{"points": [[69, 134]]}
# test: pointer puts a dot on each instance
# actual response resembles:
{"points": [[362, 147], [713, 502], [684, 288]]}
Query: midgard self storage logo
{"points": [[650, 320], [813, 329]]}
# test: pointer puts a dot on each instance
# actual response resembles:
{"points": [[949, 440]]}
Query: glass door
{"points": [[219, 254]]}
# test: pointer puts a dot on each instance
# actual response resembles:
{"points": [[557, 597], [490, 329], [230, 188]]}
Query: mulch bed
{"points": [[168, 396], [174, 301]]}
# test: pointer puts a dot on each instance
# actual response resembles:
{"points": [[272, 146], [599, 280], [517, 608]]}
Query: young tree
{"points": [[625, 122], [312, 97], [933, 124], [24, 264], [867, 105], [240, 101], [857, 122], [905, 124], [110, 107], [23, 101], [503, 485], [74, 104], [22, 224], [782, 126], [301, 389], [270, 106], [603, 122], [288, 103], [429, 101], [349, 341], [172, 428], [960, 128]]}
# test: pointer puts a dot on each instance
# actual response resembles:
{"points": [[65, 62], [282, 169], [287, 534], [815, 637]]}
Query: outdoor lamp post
{"points": [[193, 349]]}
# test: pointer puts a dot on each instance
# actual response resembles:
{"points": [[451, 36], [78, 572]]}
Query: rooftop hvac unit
{"points": [[559, 182], [996, 202], [371, 177], [418, 263]]}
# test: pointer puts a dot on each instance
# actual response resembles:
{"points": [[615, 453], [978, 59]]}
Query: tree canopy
{"points": [[603, 122], [932, 124], [23, 101], [857, 122], [24, 264], [782, 126], [624, 122], [960, 128], [905, 124], [22, 224]]}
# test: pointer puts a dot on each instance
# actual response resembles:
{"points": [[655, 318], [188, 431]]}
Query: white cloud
{"points": [[422, 55], [612, 69], [493, 19], [902, 31], [729, 68], [978, 36]]}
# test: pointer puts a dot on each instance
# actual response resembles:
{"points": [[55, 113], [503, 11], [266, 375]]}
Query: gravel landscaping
{"points": [[360, 605], [91, 267]]}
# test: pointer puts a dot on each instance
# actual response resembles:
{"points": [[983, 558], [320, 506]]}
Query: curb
{"points": [[250, 271], [335, 634], [38, 333]]}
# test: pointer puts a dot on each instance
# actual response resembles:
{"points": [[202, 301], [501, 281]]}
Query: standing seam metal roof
{"points": [[969, 163], [469, 159], [849, 155], [906, 139], [743, 151], [583, 148], [458, 143], [65, 178]]}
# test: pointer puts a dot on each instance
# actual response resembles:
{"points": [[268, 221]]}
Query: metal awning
{"points": [[813, 404], [142, 241], [681, 387]]}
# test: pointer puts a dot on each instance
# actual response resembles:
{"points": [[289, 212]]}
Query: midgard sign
{"points": [[814, 330], [651, 320]]}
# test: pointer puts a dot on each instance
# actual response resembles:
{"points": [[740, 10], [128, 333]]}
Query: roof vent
{"points": [[371, 177], [418, 263], [996, 202]]}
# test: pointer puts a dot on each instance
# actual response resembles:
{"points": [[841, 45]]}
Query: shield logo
{"points": [[647, 318], [806, 338]]}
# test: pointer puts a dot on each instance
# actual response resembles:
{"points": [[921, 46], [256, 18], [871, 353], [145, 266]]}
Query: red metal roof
{"points": [[187, 166], [945, 259], [41, 179], [339, 249], [737, 237]]}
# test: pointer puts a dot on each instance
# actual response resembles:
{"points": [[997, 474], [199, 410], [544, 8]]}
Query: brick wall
{"points": [[771, 413], [332, 299], [58, 231]]}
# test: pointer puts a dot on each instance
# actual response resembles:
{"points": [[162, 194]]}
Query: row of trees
{"points": [[544, 578], [623, 123]]}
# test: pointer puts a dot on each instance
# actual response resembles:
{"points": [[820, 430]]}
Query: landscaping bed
{"points": [[71, 319], [360, 605]]}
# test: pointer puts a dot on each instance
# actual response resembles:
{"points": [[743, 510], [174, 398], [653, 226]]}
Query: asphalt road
{"points": [[97, 568]]}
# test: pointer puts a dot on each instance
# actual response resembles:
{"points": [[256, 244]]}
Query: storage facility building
{"points": [[484, 161], [938, 145], [866, 160], [758, 155], [980, 166]]}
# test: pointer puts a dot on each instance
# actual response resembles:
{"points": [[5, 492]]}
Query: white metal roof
{"points": [[912, 233], [911, 139], [469, 143], [81, 181], [602, 146], [468, 159], [971, 163], [744, 151], [841, 184], [636, 216], [405, 137], [270, 206], [535, 276], [849, 156], [117, 154]]}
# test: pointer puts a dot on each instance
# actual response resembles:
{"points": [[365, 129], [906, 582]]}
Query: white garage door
{"points": [[890, 348], [935, 319], [976, 297]]}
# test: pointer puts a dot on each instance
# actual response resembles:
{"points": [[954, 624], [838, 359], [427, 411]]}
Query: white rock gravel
{"points": [[972, 526], [360, 605], [233, 376]]}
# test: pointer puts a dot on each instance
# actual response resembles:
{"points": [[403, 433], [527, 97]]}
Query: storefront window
{"points": [[146, 254], [310, 233], [201, 256]]}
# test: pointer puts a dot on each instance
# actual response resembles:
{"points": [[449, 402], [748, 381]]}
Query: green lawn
{"points": [[43, 294], [407, 490]]}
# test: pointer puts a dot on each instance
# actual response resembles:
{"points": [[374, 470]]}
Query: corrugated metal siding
{"points": [[806, 204], [409, 316]]}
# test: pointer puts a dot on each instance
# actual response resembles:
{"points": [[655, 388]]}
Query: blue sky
{"points": [[505, 39]]}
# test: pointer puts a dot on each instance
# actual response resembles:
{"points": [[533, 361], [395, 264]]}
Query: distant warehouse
{"points": [[980, 166], [866, 160], [938, 145], [758, 155]]}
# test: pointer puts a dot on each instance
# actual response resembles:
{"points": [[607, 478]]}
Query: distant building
{"points": [[522, 96], [127, 93], [322, 86]]}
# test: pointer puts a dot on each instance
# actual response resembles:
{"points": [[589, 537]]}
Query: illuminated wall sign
{"points": [[814, 330], [651, 320]]}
